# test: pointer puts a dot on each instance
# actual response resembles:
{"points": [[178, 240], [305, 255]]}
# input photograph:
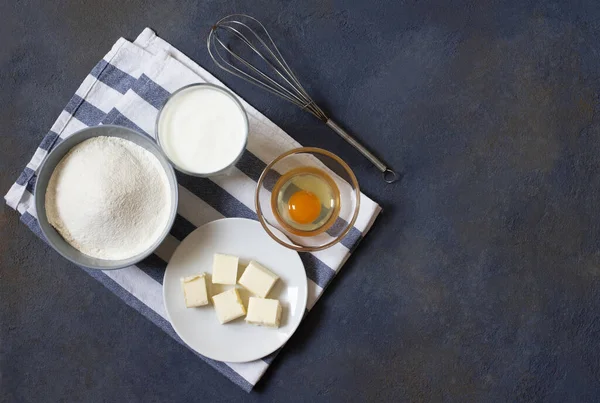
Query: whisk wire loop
{"points": [[282, 81]]}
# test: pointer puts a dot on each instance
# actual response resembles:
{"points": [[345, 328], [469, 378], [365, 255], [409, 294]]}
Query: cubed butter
{"points": [[225, 268], [264, 312], [258, 279], [228, 305], [194, 290]]}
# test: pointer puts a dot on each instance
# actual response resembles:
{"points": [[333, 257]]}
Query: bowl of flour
{"points": [[106, 197]]}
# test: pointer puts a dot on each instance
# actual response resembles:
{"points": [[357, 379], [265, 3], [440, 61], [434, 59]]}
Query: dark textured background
{"points": [[480, 282]]}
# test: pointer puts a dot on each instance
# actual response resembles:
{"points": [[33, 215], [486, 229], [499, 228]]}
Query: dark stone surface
{"points": [[480, 282]]}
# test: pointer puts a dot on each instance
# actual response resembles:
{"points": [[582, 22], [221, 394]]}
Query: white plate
{"points": [[235, 341]]}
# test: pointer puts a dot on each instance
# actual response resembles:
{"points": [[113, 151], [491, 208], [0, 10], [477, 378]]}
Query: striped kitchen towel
{"points": [[127, 87]]}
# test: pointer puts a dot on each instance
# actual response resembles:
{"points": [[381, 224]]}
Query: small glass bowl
{"points": [[192, 87], [339, 172]]}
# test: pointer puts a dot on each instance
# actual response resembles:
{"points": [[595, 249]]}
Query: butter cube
{"points": [[225, 268], [264, 312], [258, 279], [228, 305], [194, 290]]}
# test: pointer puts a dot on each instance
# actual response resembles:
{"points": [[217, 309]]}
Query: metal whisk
{"points": [[238, 42]]}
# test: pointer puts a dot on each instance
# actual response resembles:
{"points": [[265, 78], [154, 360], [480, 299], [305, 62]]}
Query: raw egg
{"points": [[305, 201], [304, 207]]}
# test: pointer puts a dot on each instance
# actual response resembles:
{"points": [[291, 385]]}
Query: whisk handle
{"points": [[388, 175]]}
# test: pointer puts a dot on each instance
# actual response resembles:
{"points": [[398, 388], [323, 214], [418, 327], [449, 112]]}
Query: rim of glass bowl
{"points": [[291, 245], [233, 98]]}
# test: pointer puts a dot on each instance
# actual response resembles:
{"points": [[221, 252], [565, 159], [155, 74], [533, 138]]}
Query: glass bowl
{"points": [[345, 210], [170, 107]]}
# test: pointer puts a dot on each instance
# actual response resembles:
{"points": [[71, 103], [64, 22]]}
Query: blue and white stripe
{"points": [[127, 88]]}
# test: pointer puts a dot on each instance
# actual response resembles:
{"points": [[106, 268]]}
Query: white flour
{"points": [[109, 198]]}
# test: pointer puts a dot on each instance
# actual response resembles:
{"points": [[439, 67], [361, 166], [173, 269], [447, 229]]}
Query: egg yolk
{"points": [[304, 207]]}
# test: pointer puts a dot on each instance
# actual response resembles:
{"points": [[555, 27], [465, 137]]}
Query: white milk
{"points": [[202, 130]]}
